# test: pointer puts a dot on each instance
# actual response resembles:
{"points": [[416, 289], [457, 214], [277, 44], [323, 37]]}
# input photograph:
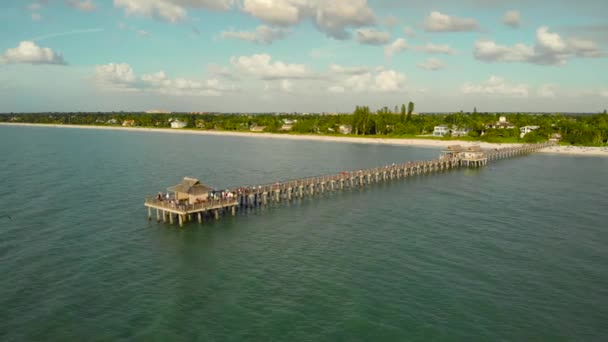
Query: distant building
{"points": [[441, 131], [555, 137], [112, 122], [175, 123], [345, 129], [256, 128], [501, 124], [527, 129], [461, 131], [158, 111], [128, 123], [286, 127]]}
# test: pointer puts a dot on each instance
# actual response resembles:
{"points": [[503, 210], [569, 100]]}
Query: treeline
{"points": [[588, 130]]}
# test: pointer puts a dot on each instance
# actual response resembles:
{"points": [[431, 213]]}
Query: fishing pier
{"points": [[191, 200]]}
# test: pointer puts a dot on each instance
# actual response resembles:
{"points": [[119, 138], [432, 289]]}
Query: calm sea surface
{"points": [[515, 251]]}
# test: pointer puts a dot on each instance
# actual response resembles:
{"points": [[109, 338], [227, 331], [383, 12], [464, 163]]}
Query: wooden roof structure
{"points": [[191, 186], [455, 148]]}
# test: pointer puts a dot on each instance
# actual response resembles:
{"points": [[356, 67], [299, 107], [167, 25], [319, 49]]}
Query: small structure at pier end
{"points": [[191, 198], [472, 156]]}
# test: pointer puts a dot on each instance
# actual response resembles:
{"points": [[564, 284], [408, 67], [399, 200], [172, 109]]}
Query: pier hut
{"points": [[472, 156], [191, 190]]}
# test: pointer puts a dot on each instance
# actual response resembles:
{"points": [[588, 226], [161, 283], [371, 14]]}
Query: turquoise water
{"points": [[514, 251]]}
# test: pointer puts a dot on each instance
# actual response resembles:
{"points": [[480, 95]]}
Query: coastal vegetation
{"points": [[400, 122]]}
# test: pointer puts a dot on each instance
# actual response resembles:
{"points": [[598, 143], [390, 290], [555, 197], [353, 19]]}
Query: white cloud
{"points": [[35, 6], [603, 92], [391, 21], [383, 81], [120, 77], [548, 91], [496, 86], [436, 48], [262, 35], [409, 32], [277, 12], [439, 22], [549, 49], [36, 17], [29, 53], [399, 45], [286, 86], [331, 17], [489, 51], [115, 76], [336, 89], [169, 10], [84, 5], [160, 9], [512, 18], [348, 70], [142, 33], [263, 67], [431, 64], [372, 37], [159, 82], [389, 81]]}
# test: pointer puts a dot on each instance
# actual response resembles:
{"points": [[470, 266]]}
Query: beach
{"points": [[568, 150]]}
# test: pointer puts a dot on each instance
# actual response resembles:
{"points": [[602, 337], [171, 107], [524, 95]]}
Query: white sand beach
{"points": [[569, 150]]}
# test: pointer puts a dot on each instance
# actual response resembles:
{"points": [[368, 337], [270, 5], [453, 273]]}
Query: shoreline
{"points": [[567, 150]]}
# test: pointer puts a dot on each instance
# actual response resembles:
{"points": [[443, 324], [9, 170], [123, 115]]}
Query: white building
{"points": [[177, 124], [461, 131], [527, 129], [502, 123], [345, 129], [441, 131]]}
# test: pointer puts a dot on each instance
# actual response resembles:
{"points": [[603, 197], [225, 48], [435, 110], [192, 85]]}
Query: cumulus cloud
{"points": [[431, 64], [142, 33], [27, 52], [121, 77], [286, 86], [496, 86], [336, 89], [372, 37], [512, 18], [165, 10], [398, 46], [436, 48], [169, 10], [439, 22], [550, 49], [115, 76], [331, 17], [391, 21], [262, 66], [84, 5], [348, 70], [409, 32], [35, 6], [382, 81], [161, 83], [548, 91], [262, 35]]}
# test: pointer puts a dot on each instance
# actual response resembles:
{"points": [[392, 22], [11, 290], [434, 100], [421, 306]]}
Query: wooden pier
{"points": [[193, 200]]}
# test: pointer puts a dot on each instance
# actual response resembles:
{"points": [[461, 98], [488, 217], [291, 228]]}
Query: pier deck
{"points": [[190, 199]]}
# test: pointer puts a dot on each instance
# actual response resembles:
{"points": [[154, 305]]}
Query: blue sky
{"points": [[303, 55]]}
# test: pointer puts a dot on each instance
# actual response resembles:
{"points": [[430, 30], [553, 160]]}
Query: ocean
{"points": [[514, 251]]}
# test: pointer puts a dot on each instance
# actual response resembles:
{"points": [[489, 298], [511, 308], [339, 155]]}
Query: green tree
{"points": [[410, 110], [474, 110], [402, 115]]}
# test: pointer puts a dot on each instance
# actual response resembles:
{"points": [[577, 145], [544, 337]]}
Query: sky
{"points": [[303, 55]]}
